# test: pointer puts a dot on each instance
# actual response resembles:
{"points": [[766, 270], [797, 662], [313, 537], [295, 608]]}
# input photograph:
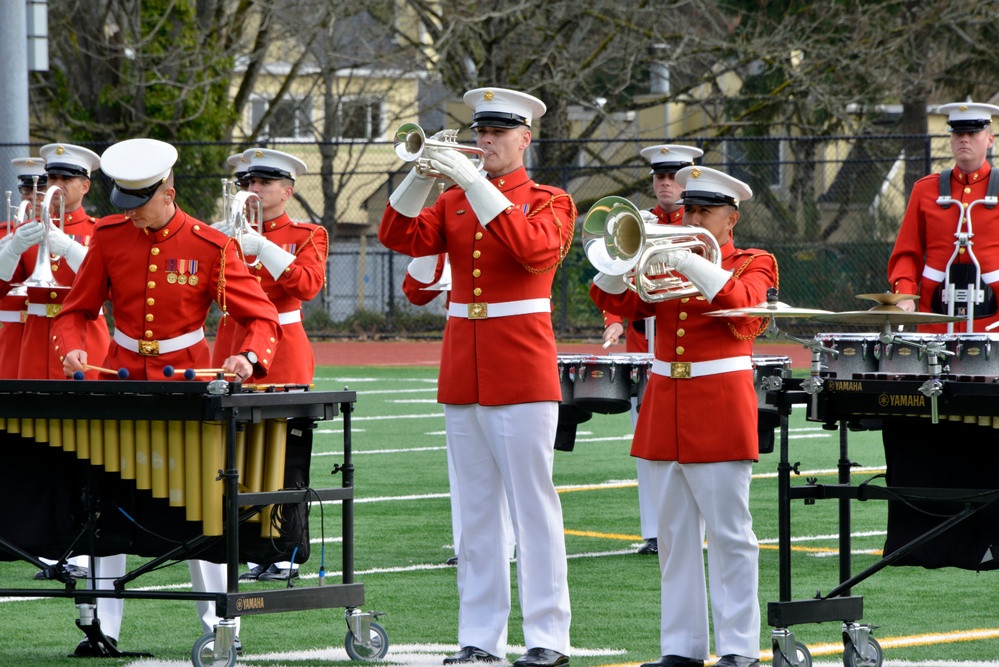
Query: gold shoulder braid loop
{"points": [[766, 320], [312, 241], [220, 291], [564, 235]]}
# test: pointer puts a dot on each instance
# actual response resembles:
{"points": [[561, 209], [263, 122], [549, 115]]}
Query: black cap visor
{"points": [[267, 173], [497, 119], [669, 167], [64, 169], [29, 181], [976, 125], [706, 198], [129, 199]]}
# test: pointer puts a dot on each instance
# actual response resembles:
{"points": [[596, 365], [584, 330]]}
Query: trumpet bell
{"points": [[618, 241], [410, 141]]}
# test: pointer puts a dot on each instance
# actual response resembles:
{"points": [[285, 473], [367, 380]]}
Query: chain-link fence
{"points": [[827, 207]]}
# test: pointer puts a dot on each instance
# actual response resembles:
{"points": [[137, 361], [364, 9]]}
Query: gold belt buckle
{"points": [[52, 309], [149, 348], [679, 370], [478, 311]]}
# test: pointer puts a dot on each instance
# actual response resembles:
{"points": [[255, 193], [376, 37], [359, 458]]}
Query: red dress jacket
{"points": [[294, 362], [37, 360], [926, 240], [498, 360], [12, 308], [134, 267], [415, 290], [635, 340], [713, 417]]}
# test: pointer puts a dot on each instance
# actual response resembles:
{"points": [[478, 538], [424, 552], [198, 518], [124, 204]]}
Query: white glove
{"points": [[224, 227], [648, 217], [409, 197], [23, 238], [274, 258], [456, 166], [62, 244], [706, 276], [423, 269], [610, 283]]}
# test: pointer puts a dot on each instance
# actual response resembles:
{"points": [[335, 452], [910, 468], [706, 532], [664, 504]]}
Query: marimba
{"points": [[211, 455]]}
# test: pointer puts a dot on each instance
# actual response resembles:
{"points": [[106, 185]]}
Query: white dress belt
{"points": [[990, 277], [682, 370], [482, 310], [10, 315], [42, 310], [933, 274], [290, 317], [155, 347]]}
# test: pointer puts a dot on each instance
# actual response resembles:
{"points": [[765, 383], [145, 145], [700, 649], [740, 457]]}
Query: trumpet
{"points": [[246, 216], [42, 275], [412, 142], [617, 241]]}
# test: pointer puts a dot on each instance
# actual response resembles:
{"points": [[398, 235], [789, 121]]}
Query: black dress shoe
{"points": [[453, 560], [651, 546], [275, 573], [85, 649], [254, 573], [541, 657], [674, 661], [470, 654], [732, 660]]}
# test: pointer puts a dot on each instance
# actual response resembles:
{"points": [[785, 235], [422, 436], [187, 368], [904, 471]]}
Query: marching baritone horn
{"points": [[411, 142], [246, 216], [42, 275], [617, 241]]}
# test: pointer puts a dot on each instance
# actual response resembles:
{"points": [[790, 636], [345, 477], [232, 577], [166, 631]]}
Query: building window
{"points": [[289, 119], [359, 119]]}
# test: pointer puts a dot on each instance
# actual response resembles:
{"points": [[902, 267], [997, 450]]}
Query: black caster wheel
{"points": [[379, 645], [203, 653], [803, 656], [851, 658]]}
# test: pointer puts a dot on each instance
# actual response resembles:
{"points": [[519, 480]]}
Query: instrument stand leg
{"points": [[99, 644]]}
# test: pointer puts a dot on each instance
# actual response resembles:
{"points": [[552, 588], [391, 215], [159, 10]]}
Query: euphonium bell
{"points": [[411, 142], [617, 241]]}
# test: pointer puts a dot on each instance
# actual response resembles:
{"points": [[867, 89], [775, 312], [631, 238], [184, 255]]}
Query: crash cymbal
{"points": [[778, 309], [888, 299], [885, 315]]}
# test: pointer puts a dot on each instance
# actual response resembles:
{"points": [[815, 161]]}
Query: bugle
{"points": [[617, 241], [42, 275], [246, 216], [412, 142]]}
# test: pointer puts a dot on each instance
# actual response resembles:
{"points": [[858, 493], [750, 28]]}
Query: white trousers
{"points": [[207, 576], [646, 501], [505, 454], [711, 498], [109, 610], [455, 495]]}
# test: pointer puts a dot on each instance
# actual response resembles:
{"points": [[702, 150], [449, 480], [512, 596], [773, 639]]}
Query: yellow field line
{"points": [[637, 538]]}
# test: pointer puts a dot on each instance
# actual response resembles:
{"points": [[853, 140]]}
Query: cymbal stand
{"points": [[935, 351], [814, 383]]}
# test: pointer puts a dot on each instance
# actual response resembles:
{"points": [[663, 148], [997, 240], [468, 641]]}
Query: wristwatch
{"points": [[251, 356]]}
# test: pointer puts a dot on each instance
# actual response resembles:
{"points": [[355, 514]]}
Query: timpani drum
{"points": [[568, 411], [974, 354], [903, 355], [603, 384], [857, 353]]}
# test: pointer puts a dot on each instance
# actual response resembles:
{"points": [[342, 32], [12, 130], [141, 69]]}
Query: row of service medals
{"points": [[182, 271]]}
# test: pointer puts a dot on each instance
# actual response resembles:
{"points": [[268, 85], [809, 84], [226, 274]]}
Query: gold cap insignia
{"points": [[664, 150], [60, 150], [488, 95], [963, 107], [30, 163], [695, 173], [258, 154]]}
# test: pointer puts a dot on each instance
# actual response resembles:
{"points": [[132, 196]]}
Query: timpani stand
{"points": [[233, 405]]}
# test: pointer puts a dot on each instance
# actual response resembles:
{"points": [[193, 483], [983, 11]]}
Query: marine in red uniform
{"points": [[504, 235], [67, 167], [701, 470], [290, 263], [289, 260], [666, 160], [162, 269], [31, 186], [926, 242]]}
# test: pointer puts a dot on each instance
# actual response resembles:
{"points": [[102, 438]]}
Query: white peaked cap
{"points": [[667, 158], [500, 107], [138, 167], [69, 160], [267, 163], [703, 186]]}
